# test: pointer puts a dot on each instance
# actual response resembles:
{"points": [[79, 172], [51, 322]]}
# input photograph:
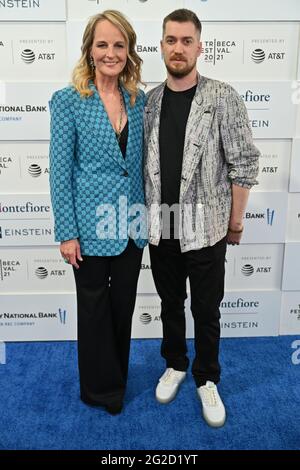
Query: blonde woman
{"points": [[96, 180]]}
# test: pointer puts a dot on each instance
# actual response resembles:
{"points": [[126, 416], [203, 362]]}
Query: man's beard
{"points": [[180, 73]]}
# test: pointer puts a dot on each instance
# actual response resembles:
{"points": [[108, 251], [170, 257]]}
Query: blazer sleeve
{"points": [[61, 156], [240, 152]]}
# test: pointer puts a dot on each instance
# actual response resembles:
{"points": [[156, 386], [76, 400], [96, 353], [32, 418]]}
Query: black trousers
{"points": [[106, 292], [205, 269]]}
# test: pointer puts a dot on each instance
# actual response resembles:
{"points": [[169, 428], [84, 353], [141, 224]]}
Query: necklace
{"points": [[118, 132]]}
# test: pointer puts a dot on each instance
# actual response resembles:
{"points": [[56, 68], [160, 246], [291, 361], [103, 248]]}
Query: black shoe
{"points": [[114, 408]]}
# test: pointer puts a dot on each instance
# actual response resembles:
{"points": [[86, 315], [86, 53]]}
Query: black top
{"points": [[123, 139], [175, 110]]}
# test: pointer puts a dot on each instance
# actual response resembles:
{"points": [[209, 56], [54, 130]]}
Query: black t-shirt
{"points": [[123, 139], [175, 110]]}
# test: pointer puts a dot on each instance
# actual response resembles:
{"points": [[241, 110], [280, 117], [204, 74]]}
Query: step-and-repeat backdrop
{"points": [[255, 47]]}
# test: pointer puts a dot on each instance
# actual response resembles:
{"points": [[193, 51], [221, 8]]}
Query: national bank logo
{"points": [[140, 48], [247, 270], [270, 216], [145, 266], [145, 318], [28, 56], [258, 56], [62, 314]]}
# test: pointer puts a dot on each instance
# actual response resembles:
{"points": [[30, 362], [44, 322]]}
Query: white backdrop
{"points": [[254, 46]]}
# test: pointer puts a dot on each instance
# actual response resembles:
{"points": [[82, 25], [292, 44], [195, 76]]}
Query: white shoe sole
{"points": [[164, 401], [212, 423]]}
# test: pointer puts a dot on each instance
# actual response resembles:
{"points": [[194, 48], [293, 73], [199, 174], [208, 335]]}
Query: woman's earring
{"points": [[92, 63]]}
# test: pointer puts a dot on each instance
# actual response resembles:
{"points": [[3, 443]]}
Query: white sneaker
{"points": [[168, 385], [212, 406]]}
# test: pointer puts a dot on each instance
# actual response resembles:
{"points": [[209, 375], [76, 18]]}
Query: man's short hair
{"points": [[182, 16]]}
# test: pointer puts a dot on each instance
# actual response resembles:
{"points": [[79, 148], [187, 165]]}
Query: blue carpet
{"points": [[40, 406]]}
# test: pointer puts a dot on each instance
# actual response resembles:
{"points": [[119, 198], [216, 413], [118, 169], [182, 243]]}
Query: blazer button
{"points": [[125, 173]]}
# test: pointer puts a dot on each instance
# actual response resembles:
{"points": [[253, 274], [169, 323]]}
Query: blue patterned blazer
{"points": [[87, 170]]}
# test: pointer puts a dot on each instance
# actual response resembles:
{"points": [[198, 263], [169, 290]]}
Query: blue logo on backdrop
{"points": [[2, 353], [62, 316], [270, 216]]}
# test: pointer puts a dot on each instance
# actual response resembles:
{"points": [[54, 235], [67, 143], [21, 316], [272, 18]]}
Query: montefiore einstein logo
{"points": [[28, 56], [28, 207], [19, 4]]}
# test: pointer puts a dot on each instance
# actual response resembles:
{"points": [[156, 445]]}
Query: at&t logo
{"points": [[34, 170], [28, 56], [41, 272], [145, 318], [247, 270], [258, 56]]}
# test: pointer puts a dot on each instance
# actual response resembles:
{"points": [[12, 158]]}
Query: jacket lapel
{"points": [[196, 135], [152, 119], [98, 122], [130, 115]]}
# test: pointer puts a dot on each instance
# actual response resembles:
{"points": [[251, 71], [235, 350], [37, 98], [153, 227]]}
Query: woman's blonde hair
{"points": [[130, 76]]}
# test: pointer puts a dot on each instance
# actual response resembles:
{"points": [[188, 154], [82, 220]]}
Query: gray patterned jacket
{"points": [[218, 151]]}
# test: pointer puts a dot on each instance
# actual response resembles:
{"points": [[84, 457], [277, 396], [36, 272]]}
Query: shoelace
{"points": [[169, 377], [210, 396]]}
